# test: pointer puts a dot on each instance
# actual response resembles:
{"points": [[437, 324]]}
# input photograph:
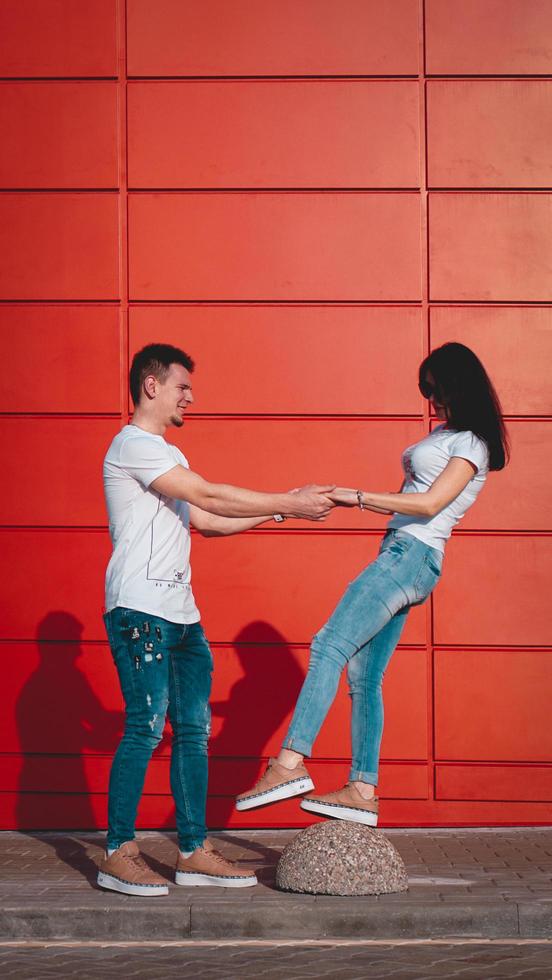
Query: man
{"points": [[159, 648]]}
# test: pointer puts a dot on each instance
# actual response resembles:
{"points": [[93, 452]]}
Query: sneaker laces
{"points": [[262, 781], [218, 856], [138, 861]]}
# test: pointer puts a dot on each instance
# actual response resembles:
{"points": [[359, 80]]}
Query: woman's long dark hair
{"points": [[471, 403]]}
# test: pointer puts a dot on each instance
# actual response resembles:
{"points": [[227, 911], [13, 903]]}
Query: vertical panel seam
{"points": [[426, 340], [122, 144]]}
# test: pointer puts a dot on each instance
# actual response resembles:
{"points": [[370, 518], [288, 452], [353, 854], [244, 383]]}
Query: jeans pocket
{"points": [[394, 548], [434, 564], [427, 578]]}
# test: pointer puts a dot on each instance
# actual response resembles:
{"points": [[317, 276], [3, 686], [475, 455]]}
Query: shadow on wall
{"points": [[60, 721], [256, 706], [58, 714]]}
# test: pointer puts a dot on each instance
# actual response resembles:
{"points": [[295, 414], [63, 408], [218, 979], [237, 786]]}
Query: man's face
{"points": [[173, 395]]}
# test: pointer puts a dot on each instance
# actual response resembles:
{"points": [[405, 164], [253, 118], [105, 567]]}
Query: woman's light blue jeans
{"points": [[361, 635], [163, 667]]}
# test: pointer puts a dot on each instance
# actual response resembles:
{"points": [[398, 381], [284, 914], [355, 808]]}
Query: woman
{"points": [[444, 474]]}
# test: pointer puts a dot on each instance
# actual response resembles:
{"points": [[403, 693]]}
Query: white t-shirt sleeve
{"points": [[146, 459], [469, 446]]}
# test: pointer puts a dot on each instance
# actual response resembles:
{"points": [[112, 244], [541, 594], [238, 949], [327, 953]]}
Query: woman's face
{"points": [[438, 407]]}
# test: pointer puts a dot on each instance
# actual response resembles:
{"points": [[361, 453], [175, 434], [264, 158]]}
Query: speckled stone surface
{"points": [[339, 857]]}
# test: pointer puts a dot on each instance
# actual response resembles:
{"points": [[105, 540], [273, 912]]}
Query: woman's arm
{"points": [[454, 478]]}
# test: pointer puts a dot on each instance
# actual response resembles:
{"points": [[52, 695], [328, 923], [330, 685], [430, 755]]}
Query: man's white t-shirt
{"points": [[149, 569], [422, 463]]}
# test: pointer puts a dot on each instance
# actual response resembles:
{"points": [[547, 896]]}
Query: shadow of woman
{"points": [[257, 705], [59, 718]]}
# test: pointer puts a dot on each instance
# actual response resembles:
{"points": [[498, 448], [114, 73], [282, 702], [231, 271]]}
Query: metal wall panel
{"points": [[58, 246], [501, 134], [236, 581], [514, 343], [58, 38], [244, 682], [55, 570], [293, 359], [47, 675], [86, 808], [304, 134], [509, 610], [40, 774], [491, 782], [475, 690], [222, 246], [518, 498], [66, 455], [272, 455], [58, 134], [398, 781], [63, 347], [492, 247], [284, 453], [63, 699], [292, 581], [488, 37], [277, 37]]}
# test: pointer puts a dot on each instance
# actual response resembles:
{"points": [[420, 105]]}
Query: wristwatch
{"points": [[279, 518]]}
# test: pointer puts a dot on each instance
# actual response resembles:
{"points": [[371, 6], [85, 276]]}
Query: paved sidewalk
{"points": [[489, 884], [525, 959]]}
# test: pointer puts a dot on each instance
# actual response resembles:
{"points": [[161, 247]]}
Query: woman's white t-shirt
{"points": [[422, 464]]}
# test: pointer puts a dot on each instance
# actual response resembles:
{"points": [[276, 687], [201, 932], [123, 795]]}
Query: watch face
{"points": [[278, 518]]}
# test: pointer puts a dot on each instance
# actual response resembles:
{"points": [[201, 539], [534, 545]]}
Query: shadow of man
{"points": [[257, 706], [60, 719]]}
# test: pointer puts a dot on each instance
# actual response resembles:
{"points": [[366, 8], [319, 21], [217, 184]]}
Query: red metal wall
{"points": [[306, 195]]}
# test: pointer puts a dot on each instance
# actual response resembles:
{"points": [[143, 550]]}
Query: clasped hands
{"points": [[314, 502]]}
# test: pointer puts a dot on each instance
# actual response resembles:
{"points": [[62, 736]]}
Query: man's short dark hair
{"points": [[155, 359]]}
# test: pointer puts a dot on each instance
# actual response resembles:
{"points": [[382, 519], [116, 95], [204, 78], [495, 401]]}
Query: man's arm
{"points": [[211, 525], [311, 503]]}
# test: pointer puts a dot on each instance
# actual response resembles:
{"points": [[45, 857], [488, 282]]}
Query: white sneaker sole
{"points": [[127, 888], [189, 879], [341, 812], [283, 792]]}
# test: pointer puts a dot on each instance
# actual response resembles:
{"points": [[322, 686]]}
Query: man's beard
{"points": [[177, 420]]}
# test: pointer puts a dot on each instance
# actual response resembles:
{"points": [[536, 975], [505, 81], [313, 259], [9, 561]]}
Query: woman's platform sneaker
{"points": [[277, 783], [344, 804], [126, 871]]}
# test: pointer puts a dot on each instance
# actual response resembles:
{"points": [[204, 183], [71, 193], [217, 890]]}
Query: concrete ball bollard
{"points": [[338, 857]]}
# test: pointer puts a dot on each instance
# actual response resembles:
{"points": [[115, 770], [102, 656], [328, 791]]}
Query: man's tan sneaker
{"points": [[344, 804], [126, 871], [207, 866], [277, 783]]}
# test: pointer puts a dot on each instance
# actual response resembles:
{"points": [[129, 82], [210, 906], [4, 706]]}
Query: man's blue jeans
{"points": [[163, 667], [361, 635]]}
